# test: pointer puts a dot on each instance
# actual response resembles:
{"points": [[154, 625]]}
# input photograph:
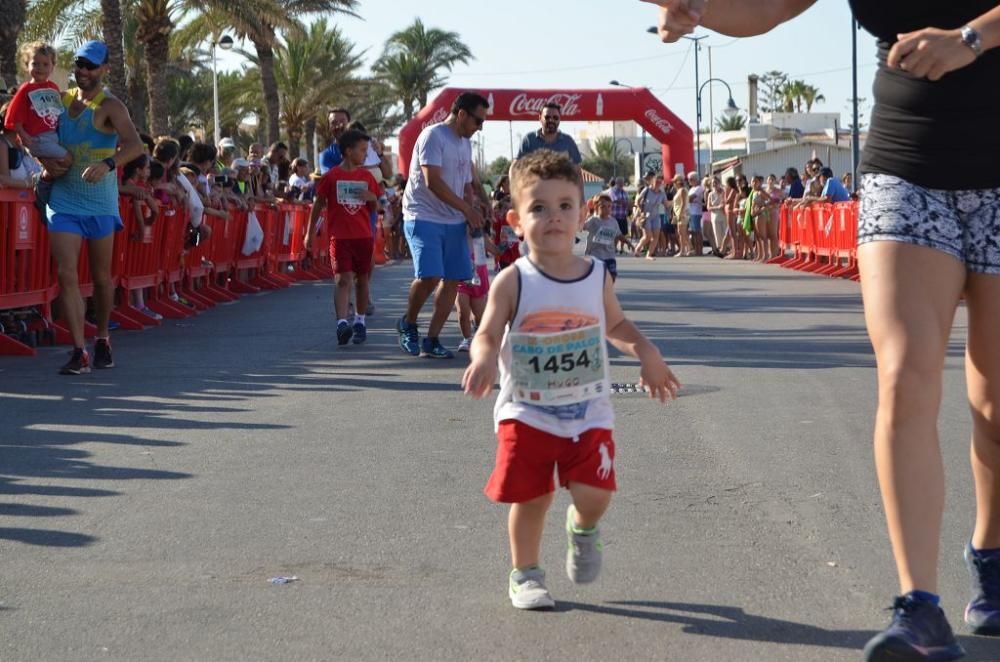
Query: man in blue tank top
{"points": [[97, 131]]}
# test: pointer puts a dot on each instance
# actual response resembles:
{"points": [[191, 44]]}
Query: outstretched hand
{"points": [[477, 382], [678, 17], [659, 380], [930, 53]]}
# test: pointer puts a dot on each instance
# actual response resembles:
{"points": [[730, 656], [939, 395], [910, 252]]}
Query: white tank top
{"points": [[553, 359]]}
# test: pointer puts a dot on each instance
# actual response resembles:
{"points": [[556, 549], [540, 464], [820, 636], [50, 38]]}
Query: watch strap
{"points": [[110, 162]]}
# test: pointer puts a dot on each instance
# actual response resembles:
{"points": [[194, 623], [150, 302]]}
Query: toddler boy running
{"points": [[547, 320], [349, 194]]}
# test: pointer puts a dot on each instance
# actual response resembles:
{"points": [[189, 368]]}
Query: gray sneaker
{"points": [[527, 589], [583, 556]]}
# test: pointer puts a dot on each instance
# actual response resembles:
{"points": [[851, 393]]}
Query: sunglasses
{"points": [[551, 118], [81, 63], [478, 120]]}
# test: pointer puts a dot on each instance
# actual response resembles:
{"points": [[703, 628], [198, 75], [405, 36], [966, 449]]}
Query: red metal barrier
{"points": [[821, 237], [25, 272], [289, 251]]}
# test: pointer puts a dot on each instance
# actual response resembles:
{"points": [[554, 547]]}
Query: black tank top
{"points": [[940, 134]]}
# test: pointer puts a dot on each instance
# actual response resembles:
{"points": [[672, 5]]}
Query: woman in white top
{"points": [[717, 214]]}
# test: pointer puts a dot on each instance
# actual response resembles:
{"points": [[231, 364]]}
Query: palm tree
{"points": [[735, 122], [606, 159], [111, 28], [14, 13], [793, 93], [260, 26], [308, 70], [811, 95], [413, 59]]}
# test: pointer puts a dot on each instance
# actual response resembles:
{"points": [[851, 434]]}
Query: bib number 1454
{"points": [[566, 362]]}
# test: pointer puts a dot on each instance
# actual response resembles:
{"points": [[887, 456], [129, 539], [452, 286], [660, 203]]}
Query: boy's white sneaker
{"points": [[583, 556], [527, 589], [465, 345]]}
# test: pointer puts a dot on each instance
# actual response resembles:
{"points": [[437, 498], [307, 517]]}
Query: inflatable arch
{"points": [[607, 105]]}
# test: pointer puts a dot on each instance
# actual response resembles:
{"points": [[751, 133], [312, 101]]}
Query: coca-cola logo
{"points": [[522, 104], [439, 115], [659, 122]]}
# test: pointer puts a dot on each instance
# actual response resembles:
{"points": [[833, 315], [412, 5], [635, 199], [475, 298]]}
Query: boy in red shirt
{"points": [[35, 109], [349, 194]]}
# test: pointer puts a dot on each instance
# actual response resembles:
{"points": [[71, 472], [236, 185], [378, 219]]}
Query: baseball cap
{"points": [[240, 163], [227, 142], [95, 51]]}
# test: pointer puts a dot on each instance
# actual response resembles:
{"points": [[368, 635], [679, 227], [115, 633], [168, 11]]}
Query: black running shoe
{"points": [[344, 332], [360, 333], [102, 354], [919, 632], [982, 615], [78, 364]]}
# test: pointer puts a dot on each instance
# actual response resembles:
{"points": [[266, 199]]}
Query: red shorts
{"points": [[477, 291], [352, 255], [526, 458]]}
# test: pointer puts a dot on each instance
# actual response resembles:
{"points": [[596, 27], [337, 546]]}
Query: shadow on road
{"points": [[727, 622]]}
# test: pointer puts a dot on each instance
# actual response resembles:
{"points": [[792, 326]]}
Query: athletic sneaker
{"points": [[583, 556], [409, 337], [78, 364], [360, 333], [432, 348], [344, 332], [102, 354], [370, 310], [918, 632], [465, 345], [527, 589], [982, 615]]}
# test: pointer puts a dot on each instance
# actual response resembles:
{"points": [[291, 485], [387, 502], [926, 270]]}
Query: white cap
{"points": [[240, 163], [227, 142]]}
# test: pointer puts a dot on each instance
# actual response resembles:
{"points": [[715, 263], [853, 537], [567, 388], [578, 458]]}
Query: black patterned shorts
{"points": [[963, 224]]}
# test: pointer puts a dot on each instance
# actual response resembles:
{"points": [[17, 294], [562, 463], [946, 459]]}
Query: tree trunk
{"points": [[294, 138], [137, 92], [111, 23], [310, 139], [157, 54], [265, 56], [13, 12]]}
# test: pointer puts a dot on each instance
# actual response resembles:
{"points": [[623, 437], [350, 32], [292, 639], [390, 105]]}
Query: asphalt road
{"points": [[143, 510]]}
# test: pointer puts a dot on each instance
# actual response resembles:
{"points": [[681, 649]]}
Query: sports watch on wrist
{"points": [[110, 162], [972, 39]]}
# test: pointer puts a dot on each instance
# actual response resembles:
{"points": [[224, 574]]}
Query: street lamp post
{"points": [[225, 43], [697, 128], [731, 110]]}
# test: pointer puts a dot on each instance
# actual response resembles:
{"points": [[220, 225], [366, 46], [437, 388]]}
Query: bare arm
{"points": [[6, 181], [477, 382], [736, 18], [626, 338], [319, 204], [437, 185]]}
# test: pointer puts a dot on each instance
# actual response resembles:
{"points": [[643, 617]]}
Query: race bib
{"points": [[560, 368], [605, 237], [349, 194], [47, 104]]}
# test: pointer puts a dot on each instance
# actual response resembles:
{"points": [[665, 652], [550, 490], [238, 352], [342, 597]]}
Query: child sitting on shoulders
{"points": [[547, 321]]}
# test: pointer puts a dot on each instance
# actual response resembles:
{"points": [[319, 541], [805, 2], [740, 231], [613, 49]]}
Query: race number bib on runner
{"points": [[350, 194], [558, 368], [606, 236]]}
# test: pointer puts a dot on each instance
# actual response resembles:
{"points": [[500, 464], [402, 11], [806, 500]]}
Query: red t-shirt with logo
{"points": [[36, 106], [346, 211]]}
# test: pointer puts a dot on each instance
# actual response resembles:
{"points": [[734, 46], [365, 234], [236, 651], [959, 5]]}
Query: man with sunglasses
{"points": [[99, 135], [437, 214], [549, 136]]}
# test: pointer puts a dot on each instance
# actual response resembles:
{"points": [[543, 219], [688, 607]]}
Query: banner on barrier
{"points": [[24, 239]]}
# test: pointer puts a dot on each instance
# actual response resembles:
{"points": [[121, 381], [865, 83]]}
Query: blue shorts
{"points": [[439, 250], [88, 227], [694, 224], [654, 223]]}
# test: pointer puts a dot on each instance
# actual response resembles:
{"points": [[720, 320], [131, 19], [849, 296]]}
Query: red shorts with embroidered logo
{"points": [[527, 458], [351, 255]]}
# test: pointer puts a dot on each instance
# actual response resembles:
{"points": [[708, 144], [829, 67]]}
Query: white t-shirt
{"points": [[195, 205], [295, 181], [695, 198], [438, 145]]}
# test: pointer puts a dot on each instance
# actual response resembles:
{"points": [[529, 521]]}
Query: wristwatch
{"points": [[972, 39], [110, 162]]}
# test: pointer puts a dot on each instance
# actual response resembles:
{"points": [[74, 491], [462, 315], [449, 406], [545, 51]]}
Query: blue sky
{"points": [[586, 43]]}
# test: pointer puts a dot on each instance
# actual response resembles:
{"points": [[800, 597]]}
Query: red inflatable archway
{"points": [[613, 104]]}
